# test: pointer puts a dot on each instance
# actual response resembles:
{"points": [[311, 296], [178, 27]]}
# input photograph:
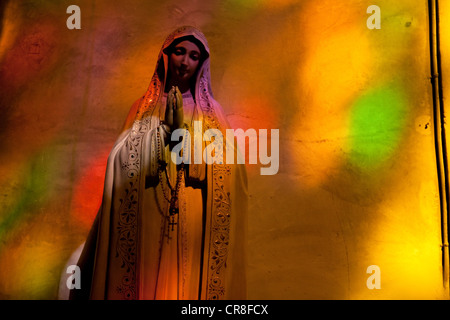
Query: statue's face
{"points": [[183, 62]]}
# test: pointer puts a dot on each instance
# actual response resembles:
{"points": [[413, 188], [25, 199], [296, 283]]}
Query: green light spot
{"points": [[377, 122]]}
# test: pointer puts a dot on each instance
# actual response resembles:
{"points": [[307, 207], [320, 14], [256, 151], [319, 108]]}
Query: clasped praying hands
{"points": [[174, 109]]}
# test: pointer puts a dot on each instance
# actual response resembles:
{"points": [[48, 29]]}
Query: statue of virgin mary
{"points": [[166, 230]]}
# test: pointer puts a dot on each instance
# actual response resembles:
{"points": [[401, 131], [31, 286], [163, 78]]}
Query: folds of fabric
{"points": [[135, 250]]}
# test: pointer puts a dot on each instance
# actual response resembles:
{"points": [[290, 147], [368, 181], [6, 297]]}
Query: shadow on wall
{"points": [[2, 11]]}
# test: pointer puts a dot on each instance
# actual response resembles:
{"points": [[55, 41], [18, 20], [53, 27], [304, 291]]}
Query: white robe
{"points": [[127, 255], [171, 256]]}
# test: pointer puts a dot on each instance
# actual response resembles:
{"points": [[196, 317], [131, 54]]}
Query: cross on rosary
{"points": [[173, 210], [172, 223]]}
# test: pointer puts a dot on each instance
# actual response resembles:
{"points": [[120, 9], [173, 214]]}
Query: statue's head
{"points": [[184, 59], [186, 50]]}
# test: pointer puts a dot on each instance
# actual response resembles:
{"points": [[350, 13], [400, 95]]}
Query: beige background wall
{"points": [[357, 181]]}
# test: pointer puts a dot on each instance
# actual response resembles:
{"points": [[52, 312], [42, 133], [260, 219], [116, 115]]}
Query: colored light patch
{"points": [[9, 28], [32, 190], [30, 55], [334, 68], [33, 263], [377, 122], [407, 255], [87, 192], [32, 231]]}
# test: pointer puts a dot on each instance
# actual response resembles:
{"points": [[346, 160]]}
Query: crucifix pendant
{"points": [[172, 223], [173, 210], [170, 226]]}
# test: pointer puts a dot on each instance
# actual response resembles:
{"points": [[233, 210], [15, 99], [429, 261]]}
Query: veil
{"points": [[110, 261]]}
